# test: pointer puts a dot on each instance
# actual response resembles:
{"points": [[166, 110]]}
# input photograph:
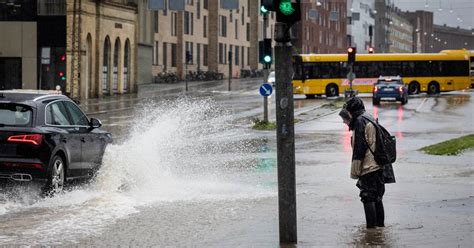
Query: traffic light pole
{"points": [[285, 135], [265, 71]]}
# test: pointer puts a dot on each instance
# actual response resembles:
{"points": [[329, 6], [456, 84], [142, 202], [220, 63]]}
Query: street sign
{"points": [[266, 89]]}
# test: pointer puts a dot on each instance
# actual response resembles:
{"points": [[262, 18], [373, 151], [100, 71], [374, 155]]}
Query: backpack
{"points": [[385, 146]]}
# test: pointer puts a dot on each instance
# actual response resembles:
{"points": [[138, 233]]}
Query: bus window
{"points": [[408, 69]]}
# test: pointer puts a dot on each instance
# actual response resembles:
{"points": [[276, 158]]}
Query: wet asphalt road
{"points": [[187, 170]]}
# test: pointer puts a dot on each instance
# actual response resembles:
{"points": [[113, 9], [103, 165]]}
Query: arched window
{"points": [[116, 63], [105, 66], [126, 63]]}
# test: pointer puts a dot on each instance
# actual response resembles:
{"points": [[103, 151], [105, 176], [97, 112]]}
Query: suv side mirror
{"points": [[95, 123]]}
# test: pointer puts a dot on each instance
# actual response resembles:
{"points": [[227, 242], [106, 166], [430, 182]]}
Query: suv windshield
{"points": [[15, 114]]}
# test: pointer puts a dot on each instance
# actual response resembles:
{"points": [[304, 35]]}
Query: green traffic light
{"points": [[263, 10], [267, 59], [286, 7], [63, 78]]}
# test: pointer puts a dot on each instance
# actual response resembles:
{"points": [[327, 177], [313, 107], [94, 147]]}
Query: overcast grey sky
{"points": [[450, 12]]}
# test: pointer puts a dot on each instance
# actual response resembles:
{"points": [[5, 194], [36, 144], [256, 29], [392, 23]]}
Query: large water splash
{"points": [[181, 150]]}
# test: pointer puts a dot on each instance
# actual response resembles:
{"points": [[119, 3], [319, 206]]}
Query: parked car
{"points": [[271, 78], [390, 89], [46, 137]]}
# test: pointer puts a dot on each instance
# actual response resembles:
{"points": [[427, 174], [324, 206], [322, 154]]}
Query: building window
{"points": [[174, 24], [236, 29], [248, 32], [198, 9], [243, 56], [190, 49], [242, 17], [221, 53], [126, 63], [186, 22], [223, 26], [205, 4], [248, 55], [237, 55], [192, 23], [155, 21], [155, 53], [165, 11], [173, 55], [165, 56], [198, 56], [205, 27], [205, 58]]}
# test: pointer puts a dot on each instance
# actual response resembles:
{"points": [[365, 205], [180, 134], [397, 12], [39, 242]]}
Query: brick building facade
{"points": [[323, 27]]}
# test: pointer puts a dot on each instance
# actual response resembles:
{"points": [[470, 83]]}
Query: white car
{"points": [[271, 78]]}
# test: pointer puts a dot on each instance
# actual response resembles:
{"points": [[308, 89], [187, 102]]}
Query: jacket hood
{"points": [[355, 106]]}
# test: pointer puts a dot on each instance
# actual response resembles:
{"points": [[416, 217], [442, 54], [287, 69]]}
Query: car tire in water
{"points": [[309, 96], [414, 88], [332, 90], [56, 177]]}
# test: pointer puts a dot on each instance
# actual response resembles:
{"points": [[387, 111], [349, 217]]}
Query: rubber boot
{"points": [[370, 214], [380, 214]]}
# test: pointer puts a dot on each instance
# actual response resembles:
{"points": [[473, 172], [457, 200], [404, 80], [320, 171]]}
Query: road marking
{"points": [[421, 105]]}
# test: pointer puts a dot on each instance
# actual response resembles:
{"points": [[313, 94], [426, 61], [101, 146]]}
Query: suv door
{"points": [[91, 144], [57, 117]]}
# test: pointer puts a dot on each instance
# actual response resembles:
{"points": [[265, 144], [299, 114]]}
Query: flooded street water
{"points": [[189, 171]]}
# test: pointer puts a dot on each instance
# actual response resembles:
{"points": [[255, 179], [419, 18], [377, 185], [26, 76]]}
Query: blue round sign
{"points": [[266, 89]]}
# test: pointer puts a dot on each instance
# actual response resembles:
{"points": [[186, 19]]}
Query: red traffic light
{"points": [[371, 50], [61, 74], [350, 50], [63, 57]]}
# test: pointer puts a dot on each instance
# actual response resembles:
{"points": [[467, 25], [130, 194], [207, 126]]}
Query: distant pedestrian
{"points": [[364, 168]]}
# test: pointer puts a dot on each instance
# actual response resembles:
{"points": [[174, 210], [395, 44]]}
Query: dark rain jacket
{"points": [[363, 135]]}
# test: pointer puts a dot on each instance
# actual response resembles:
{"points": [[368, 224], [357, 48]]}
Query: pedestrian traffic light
{"points": [[266, 6], [351, 55], [288, 11], [265, 51], [189, 57], [371, 50]]}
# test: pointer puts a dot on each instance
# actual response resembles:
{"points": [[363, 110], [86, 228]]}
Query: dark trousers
{"points": [[372, 187]]}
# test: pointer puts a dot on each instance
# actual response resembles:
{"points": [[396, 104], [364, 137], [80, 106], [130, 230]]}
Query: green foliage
{"points": [[263, 125], [334, 104], [450, 147]]}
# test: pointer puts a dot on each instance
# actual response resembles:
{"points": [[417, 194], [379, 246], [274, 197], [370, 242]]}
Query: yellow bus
{"points": [[326, 74]]}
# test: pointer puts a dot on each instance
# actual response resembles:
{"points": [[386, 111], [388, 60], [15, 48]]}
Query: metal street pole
{"points": [[265, 71], [285, 135]]}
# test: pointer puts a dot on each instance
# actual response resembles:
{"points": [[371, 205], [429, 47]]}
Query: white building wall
{"points": [[359, 29]]}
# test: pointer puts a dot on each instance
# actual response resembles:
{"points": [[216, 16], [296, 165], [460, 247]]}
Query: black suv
{"points": [[46, 137]]}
